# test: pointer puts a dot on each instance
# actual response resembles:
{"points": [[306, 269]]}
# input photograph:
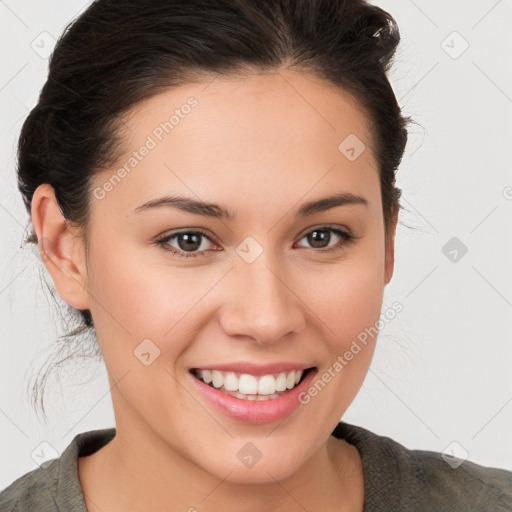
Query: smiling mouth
{"points": [[251, 387]]}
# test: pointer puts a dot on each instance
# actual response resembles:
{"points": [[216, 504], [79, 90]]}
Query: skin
{"points": [[261, 146]]}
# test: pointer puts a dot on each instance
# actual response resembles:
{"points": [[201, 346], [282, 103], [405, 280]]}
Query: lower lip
{"points": [[254, 411]]}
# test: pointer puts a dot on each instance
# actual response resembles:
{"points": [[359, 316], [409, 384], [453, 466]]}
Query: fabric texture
{"points": [[396, 479]]}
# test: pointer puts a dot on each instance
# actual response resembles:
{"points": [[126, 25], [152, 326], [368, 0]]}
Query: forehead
{"points": [[282, 106], [267, 135]]}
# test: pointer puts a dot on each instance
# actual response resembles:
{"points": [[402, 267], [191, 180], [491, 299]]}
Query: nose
{"points": [[262, 304]]}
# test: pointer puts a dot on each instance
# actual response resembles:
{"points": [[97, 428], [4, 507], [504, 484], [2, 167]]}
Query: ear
{"points": [[389, 264], [61, 250]]}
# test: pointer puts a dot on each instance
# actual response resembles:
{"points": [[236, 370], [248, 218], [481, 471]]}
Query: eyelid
{"points": [[207, 234], [320, 227], [212, 238], [162, 241], [346, 235]]}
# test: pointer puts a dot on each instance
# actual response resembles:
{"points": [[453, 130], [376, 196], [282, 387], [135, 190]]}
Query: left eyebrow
{"points": [[217, 211], [321, 205]]}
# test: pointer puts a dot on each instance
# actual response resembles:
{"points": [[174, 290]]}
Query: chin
{"points": [[259, 472]]}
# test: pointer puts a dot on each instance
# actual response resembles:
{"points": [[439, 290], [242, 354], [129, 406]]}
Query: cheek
{"points": [[347, 295], [349, 302], [135, 298]]}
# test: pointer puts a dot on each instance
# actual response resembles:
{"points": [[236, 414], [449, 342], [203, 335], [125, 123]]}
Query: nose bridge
{"points": [[263, 305]]}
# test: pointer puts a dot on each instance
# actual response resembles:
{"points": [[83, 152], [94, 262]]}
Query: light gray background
{"points": [[442, 368]]}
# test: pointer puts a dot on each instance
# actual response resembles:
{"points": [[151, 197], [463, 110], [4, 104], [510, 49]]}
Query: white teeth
{"points": [[266, 385], [281, 382], [258, 397], [248, 386], [217, 379], [230, 382]]}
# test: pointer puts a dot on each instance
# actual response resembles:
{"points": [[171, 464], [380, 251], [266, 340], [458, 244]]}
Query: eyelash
{"points": [[163, 242]]}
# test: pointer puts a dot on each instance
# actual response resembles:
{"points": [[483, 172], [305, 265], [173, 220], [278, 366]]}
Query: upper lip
{"points": [[256, 369]]}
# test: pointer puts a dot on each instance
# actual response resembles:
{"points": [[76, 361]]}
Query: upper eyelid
{"points": [[327, 227], [211, 238], [202, 232]]}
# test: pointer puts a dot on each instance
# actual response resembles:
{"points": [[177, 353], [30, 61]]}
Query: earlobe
{"points": [[61, 250]]}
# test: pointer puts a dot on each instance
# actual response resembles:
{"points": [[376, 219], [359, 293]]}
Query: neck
{"points": [[148, 474]]}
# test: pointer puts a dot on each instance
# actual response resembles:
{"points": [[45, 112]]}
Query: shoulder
{"points": [[33, 489], [55, 485], [403, 479], [440, 480]]}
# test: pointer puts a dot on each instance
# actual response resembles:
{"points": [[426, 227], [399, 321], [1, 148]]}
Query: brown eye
{"points": [[319, 238], [188, 243]]}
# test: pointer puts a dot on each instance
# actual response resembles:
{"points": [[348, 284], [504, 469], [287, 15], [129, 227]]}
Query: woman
{"points": [[212, 185]]}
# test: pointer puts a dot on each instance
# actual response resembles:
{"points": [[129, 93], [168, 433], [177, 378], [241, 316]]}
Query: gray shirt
{"points": [[396, 478]]}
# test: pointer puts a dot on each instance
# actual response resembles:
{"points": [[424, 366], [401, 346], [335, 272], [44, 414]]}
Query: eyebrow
{"points": [[217, 211]]}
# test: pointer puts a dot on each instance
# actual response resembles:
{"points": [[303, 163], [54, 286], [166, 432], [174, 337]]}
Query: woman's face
{"points": [[261, 289]]}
